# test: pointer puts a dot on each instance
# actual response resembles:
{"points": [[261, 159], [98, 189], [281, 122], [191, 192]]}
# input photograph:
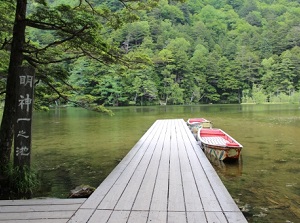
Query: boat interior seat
{"points": [[211, 132]]}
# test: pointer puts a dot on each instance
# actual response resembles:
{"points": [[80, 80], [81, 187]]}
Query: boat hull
{"points": [[218, 143], [222, 153]]}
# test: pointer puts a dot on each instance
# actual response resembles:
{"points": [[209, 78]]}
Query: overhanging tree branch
{"points": [[6, 43], [33, 61], [57, 91], [43, 25], [55, 43]]}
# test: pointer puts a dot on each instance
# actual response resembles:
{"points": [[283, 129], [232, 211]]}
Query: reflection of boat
{"points": [[219, 144], [195, 123]]}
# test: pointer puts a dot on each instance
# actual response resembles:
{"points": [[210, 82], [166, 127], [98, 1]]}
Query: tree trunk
{"points": [[16, 58]]}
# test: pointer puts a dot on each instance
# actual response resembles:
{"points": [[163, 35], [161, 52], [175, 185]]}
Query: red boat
{"points": [[196, 122], [219, 144]]}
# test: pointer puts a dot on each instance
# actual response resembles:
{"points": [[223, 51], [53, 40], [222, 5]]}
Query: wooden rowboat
{"points": [[218, 143], [198, 122], [195, 123]]}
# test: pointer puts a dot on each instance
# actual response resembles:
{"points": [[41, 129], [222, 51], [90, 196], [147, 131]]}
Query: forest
{"points": [[179, 52]]}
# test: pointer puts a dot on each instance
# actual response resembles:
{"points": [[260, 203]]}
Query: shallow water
{"points": [[73, 146]]}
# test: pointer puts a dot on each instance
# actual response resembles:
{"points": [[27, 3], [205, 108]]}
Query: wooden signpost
{"points": [[24, 105]]}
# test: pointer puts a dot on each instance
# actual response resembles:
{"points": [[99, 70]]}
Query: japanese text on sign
{"points": [[24, 106], [28, 79]]}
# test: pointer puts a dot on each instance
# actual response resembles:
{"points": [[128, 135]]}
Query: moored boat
{"points": [[198, 122], [218, 143], [195, 123]]}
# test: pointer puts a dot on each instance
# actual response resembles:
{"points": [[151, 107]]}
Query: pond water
{"points": [[73, 146]]}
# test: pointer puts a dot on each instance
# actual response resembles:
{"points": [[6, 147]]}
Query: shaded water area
{"points": [[73, 146]]}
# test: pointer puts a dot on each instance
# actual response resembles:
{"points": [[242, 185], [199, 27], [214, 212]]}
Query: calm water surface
{"points": [[75, 146]]}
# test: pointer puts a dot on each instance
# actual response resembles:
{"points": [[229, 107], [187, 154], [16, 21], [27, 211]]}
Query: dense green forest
{"points": [[195, 51]]}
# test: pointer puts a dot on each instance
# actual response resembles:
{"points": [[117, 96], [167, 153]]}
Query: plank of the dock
{"points": [[164, 178], [38, 210]]}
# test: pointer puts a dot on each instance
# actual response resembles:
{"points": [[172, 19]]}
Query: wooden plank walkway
{"points": [[165, 178], [38, 210]]}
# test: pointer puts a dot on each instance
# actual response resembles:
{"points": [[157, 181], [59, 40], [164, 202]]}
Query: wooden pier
{"points": [[165, 178], [38, 210]]}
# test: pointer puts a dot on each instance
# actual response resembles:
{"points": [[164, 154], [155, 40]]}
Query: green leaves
{"points": [[138, 52]]}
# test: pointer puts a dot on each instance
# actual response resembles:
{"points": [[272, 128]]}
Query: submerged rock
{"points": [[83, 191]]}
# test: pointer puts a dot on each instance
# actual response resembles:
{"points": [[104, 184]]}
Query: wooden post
{"points": [[24, 105]]}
